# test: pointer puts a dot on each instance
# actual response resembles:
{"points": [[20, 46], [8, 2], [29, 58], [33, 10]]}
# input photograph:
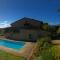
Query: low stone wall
{"points": [[56, 42]]}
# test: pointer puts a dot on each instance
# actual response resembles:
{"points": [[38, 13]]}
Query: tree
{"points": [[45, 26]]}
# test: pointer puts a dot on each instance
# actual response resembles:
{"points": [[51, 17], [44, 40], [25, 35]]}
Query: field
{"points": [[7, 56]]}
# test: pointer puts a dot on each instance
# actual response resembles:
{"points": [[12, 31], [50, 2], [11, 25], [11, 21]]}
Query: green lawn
{"points": [[7, 56]]}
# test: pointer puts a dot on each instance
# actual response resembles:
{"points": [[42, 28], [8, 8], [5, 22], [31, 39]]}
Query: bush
{"points": [[44, 50]]}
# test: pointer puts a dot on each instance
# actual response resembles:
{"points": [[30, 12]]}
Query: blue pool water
{"points": [[12, 44]]}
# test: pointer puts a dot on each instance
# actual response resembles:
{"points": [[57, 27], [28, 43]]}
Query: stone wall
{"points": [[24, 34]]}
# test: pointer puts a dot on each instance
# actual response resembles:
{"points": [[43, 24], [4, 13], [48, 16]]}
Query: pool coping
{"points": [[22, 52], [11, 49], [10, 40]]}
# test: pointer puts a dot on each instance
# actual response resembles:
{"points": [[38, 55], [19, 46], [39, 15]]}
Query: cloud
{"points": [[4, 24]]}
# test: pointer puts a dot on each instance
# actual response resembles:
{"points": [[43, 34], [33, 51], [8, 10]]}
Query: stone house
{"points": [[25, 29]]}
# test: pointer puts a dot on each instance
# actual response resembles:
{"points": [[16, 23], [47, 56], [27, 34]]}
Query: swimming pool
{"points": [[12, 44]]}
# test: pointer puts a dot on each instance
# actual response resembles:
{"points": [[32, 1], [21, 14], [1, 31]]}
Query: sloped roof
{"points": [[26, 19]]}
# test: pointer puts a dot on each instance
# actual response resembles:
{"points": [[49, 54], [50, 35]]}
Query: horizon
{"points": [[5, 23], [42, 10]]}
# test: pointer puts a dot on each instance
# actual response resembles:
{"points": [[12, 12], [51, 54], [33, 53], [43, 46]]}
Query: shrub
{"points": [[44, 50]]}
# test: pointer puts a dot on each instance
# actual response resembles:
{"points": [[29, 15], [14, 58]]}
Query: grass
{"points": [[56, 51], [7, 56]]}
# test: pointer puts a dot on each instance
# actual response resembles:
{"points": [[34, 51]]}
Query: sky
{"points": [[43, 10]]}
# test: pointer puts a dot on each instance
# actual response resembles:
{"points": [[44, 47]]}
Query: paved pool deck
{"points": [[24, 52]]}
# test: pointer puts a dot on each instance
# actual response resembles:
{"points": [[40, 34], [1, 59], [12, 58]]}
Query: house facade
{"points": [[25, 29]]}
